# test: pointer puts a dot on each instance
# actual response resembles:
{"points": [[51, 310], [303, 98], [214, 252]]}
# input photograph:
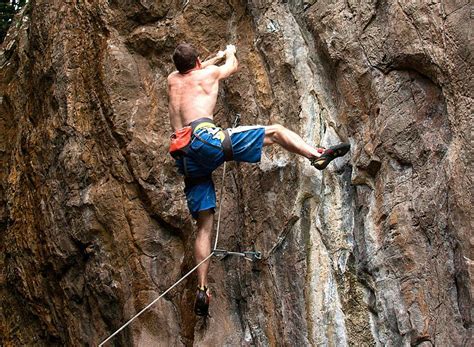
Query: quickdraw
{"points": [[248, 255]]}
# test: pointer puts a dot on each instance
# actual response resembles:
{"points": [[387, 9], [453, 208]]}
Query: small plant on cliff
{"points": [[8, 8]]}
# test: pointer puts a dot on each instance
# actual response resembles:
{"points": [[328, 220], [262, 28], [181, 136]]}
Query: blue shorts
{"points": [[205, 154]]}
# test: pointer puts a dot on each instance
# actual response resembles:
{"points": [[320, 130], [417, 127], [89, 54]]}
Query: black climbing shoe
{"points": [[329, 155], [201, 306]]}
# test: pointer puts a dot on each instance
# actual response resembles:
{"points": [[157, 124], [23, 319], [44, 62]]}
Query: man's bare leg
{"points": [[202, 245], [289, 140]]}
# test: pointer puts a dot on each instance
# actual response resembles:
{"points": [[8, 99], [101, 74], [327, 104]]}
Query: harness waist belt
{"points": [[227, 147], [208, 123], [201, 123]]}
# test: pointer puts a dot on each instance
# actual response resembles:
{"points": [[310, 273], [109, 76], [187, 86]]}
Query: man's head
{"points": [[185, 57]]}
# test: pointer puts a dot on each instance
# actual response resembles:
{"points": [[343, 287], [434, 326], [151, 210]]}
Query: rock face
{"points": [[375, 250]]}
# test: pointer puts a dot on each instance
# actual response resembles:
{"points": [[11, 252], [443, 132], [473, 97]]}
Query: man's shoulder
{"points": [[172, 75], [209, 73], [211, 69]]}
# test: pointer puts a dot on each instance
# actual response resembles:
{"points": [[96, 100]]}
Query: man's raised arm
{"points": [[214, 60], [231, 62], [230, 65]]}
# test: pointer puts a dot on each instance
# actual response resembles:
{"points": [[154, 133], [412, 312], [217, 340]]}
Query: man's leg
{"points": [[289, 140], [202, 245], [319, 157], [202, 249]]}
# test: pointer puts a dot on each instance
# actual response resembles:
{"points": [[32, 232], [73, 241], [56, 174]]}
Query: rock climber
{"points": [[199, 146]]}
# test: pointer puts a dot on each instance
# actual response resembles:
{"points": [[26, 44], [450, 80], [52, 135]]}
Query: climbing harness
{"points": [[182, 138], [249, 255]]}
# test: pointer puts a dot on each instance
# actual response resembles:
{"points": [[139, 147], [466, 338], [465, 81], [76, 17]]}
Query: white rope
{"points": [[220, 207], [221, 194], [182, 278], [158, 298]]}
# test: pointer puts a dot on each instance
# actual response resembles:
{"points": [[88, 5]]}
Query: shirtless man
{"points": [[199, 147]]}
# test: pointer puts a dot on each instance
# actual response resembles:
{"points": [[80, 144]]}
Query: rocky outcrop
{"points": [[93, 223]]}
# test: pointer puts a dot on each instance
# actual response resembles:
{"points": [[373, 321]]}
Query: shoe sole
{"points": [[336, 151], [201, 305]]}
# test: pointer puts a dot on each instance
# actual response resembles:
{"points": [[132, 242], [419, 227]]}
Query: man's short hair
{"points": [[185, 57]]}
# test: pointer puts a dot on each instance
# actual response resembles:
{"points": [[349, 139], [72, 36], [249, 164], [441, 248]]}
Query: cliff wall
{"points": [[375, 250]]}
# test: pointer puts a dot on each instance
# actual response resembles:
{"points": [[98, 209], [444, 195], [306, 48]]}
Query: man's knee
{"points": [[205, 220], [272, 132]]}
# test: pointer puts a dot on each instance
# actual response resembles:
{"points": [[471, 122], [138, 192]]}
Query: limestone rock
{"points": [[375, 250]]}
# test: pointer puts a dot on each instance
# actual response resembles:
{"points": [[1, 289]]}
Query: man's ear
{"points": [[198, 62]]}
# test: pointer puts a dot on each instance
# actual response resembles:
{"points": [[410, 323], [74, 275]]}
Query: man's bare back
{"points": [[193, 95]]}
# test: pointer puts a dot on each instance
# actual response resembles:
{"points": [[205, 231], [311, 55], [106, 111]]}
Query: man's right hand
{"points": [[231, 63], [230, 49]]}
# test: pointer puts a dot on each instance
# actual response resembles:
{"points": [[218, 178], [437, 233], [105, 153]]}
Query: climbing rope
{"points": [[221, 194], [220, 207], [153, 302], [182, 278]]}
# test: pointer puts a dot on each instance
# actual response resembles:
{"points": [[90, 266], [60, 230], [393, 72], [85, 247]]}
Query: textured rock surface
{"points": [[93, 222]]}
